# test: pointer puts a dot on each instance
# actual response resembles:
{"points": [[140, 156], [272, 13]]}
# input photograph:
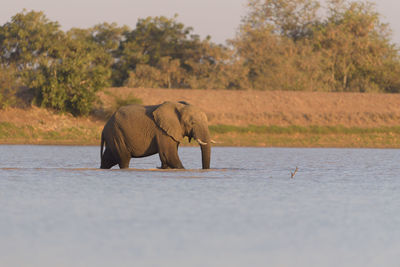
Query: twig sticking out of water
{"points": [[292, 174]]}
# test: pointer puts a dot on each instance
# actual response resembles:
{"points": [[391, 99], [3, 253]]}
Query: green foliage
{"points": [[29, 39], [166, 74], [10, 132], [287, 47], [64, 69], [280, 45], [152, 48], [162, 52], [357, 53], [289, 18], [71, 83], [7, 87]]}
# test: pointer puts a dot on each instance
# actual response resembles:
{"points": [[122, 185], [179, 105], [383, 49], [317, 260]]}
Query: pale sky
{"points": [[218, 18]]}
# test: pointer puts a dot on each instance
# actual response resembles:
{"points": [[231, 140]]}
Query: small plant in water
{"points": [[292, 174]]}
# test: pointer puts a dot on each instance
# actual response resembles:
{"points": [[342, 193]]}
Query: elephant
{"points": [[136, 131]]}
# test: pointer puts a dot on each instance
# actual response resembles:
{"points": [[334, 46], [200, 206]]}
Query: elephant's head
{"points": [[179, 119]]}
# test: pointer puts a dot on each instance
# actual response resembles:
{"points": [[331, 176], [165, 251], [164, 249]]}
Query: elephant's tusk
{"points": [[213, 142], [200, 142]]}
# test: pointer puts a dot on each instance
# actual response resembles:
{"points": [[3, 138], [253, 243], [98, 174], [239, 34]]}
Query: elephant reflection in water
{"points": [[136, 131]]}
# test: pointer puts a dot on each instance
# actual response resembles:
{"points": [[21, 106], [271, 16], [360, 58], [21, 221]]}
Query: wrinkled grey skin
{"points": [[136, 131]]}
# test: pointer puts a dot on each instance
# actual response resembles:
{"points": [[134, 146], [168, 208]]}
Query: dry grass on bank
{"points": [[282, 108], [243, 118]]}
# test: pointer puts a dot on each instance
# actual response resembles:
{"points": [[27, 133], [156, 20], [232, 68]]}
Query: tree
{"points": [[164, 48], [70, 84], [210, 67], [273, 45], [28, 40], [64, 70], [290, 18], [286, 46], [111, 38], [153, 40], [8, 86], [357, 52]]}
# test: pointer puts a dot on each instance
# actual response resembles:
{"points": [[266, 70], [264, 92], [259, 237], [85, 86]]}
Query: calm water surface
{"points": [[341, 209]]}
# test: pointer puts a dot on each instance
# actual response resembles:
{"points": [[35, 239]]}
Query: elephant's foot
{"points": [[165, 166], [124, 164]]}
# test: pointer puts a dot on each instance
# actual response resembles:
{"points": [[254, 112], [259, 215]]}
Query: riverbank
{"points": [[313, 136], [236, 118]]}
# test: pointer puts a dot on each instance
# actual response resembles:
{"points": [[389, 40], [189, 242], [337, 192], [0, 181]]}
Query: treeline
{"points": [[280, 45]]}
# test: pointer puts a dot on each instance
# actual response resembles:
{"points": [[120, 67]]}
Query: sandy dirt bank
{"points": [[379, 114]]}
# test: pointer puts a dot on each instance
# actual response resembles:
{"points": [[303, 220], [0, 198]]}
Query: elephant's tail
{"points": [[101, 146]]}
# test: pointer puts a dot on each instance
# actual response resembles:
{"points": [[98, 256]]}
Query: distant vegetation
{"points": [[123, 101], [280, 45]]}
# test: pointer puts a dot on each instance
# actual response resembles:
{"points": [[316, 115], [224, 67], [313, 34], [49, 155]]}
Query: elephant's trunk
{"points": [[206, 155], [202, 135]]}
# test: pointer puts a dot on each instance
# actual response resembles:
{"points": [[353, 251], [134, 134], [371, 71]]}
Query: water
{"points": [[341, 209]]}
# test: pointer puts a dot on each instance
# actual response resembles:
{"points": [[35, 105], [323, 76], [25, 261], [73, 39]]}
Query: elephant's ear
{"points": [[166, 117]]}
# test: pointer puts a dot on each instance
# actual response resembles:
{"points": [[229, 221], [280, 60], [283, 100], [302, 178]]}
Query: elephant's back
{"points": [[134, 111], [129, 110]]}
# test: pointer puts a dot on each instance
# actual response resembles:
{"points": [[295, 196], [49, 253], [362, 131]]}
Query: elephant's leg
{"points": [[124, 162], [168, 151], [108, 160], [170, 160]]}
